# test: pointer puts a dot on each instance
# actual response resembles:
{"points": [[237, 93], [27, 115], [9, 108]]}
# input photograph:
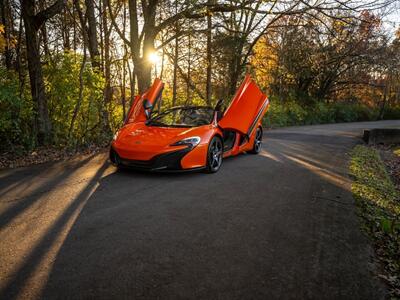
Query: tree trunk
{"points": [[123, 94], [107, 70], [42, 124], [209, 57], [32, 23], [18, 61], [65, 31], [144, 70], [142, 66], [189, 70], [92, 34], [234, 76], [134, 42], [124, 63], [74, 27], [175, 62], [80, 97], [384, 100], [45, 41], [175, 78], [6, 20], [132, 82], [162, 64]]}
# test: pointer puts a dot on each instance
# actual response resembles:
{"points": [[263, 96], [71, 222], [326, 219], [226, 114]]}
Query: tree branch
{"points": [[191, 13], [48, 13], [114, 23]]}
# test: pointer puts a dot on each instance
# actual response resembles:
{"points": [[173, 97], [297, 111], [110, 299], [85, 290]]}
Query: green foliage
{"points": [[63, 86], [288, 114], [16, 113], [392, 113], [379, 207], [292, 113], [62, 76]]}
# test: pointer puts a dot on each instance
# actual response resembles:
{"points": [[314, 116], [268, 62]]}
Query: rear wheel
{"points": [[214, 155], [257, 142]]}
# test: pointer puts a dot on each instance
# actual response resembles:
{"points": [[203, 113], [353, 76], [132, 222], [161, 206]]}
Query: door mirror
{"points": [[147, 104], [147, 108], [218, 110], [218, 106]]}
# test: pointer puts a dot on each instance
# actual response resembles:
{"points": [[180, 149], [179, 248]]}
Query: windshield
{"points": [[183, 117]]}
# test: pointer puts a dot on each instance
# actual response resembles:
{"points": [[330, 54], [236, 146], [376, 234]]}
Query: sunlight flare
{"points": [[154, 58]]}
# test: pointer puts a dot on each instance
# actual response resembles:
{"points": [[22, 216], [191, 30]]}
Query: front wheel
{"points": [[114, 158], [214, 155], [257, 142]]}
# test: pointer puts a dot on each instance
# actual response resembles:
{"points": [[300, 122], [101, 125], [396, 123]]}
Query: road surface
{"points": [[280, 225]]}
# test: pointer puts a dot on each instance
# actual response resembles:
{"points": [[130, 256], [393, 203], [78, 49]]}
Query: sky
{"points": [[392, 20]]}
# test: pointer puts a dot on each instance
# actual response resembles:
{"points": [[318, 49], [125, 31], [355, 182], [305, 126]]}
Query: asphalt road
{"points": [[280, 225]]}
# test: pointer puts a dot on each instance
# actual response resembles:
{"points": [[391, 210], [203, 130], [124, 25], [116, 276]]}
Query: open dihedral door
{"points": [[137, 112], [247, 107]]}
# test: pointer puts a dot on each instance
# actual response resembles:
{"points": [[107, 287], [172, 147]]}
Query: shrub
{"points": [[392, 113], [16, 114], [290, 113], [62, 75], [287, 114]]}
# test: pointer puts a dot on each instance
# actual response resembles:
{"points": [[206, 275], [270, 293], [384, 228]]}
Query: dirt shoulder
{"points": [[41, 155]]}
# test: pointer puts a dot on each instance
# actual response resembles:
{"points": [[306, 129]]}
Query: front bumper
{"points": [[170, 161]]}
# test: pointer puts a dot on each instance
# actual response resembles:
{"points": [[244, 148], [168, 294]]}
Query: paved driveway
{"points": [[280, 225]]}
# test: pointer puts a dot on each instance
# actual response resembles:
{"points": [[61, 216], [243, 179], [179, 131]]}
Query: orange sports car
{"points": [[189, 137]]}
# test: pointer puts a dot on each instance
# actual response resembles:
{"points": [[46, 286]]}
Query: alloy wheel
{"points": [[215, 154], [258, 141]]}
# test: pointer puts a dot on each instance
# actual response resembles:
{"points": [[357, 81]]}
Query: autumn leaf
{"points": [[2, 38]]}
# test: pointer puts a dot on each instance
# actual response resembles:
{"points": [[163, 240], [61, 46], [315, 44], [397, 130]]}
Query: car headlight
{"points": [[115, 135], [190, 141]]}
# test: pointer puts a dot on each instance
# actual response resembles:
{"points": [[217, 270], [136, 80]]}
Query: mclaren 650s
{"points": [[189, 137]]}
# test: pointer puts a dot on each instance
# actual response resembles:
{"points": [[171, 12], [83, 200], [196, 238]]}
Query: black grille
{"points": [[165, 161]]}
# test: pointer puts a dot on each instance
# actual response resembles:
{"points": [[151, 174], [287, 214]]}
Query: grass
{"points": [[378, 204]]}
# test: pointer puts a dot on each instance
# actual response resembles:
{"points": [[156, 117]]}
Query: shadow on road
{"points": [[19, 205], [39, 252]]}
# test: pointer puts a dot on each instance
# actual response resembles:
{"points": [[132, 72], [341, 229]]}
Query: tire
{"points": [[114, 159], [214, 155], [257, 142]]}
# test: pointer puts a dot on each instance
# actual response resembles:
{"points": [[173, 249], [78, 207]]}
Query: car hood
{"points": [[139, 134]]}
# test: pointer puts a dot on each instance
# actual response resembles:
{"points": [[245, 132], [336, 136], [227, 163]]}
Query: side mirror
{"points": [[147, 107], [218, 110], [218, 106], [147, 104]]}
